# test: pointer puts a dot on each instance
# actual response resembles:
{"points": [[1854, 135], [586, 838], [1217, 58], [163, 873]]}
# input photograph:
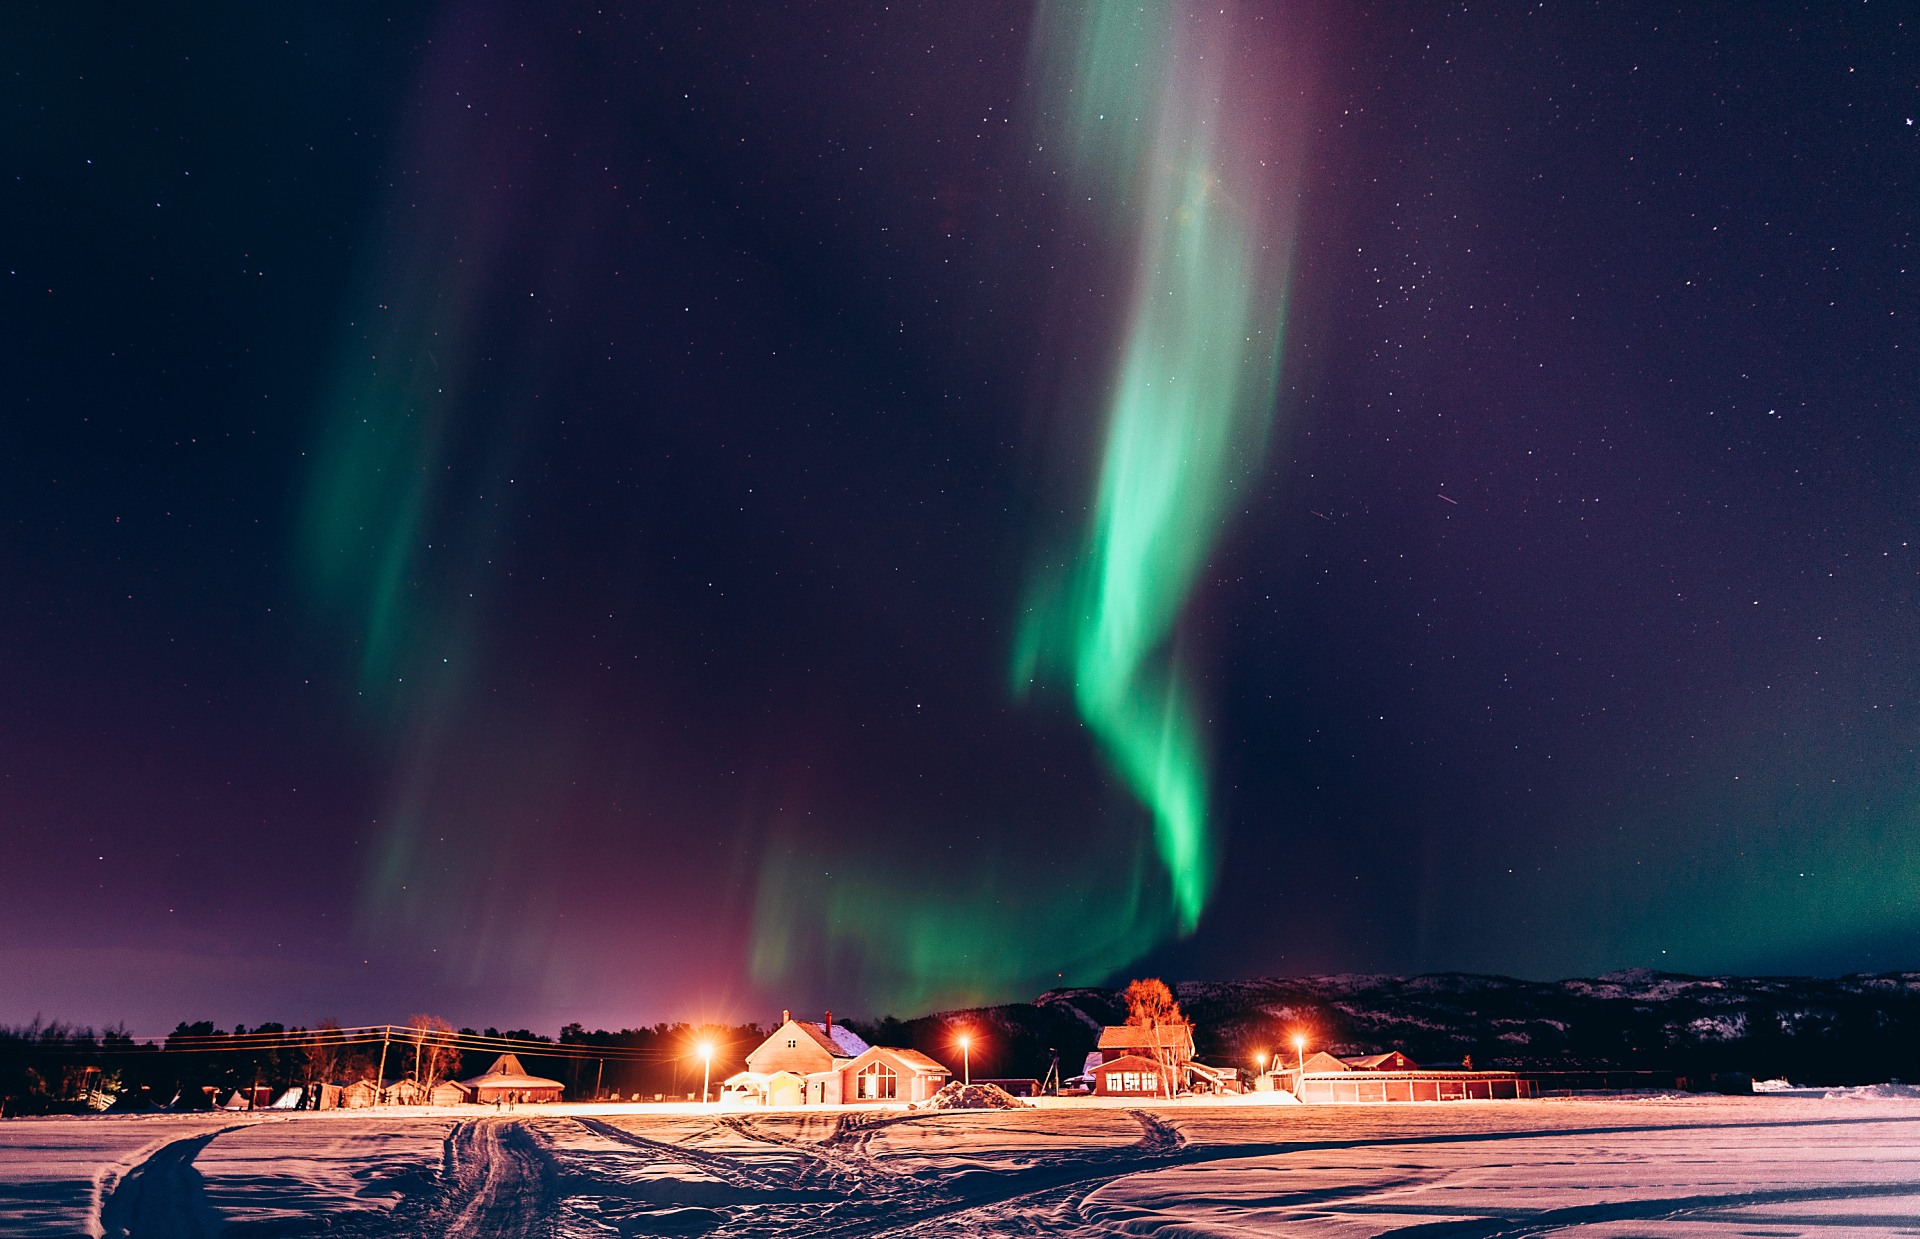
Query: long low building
{"points": [[1395, 1077]]}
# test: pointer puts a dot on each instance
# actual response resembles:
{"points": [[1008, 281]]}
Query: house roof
{"points": [[507, 1072], [1393, 1060], [1177, 1037], [1131, 1062], [837, 1040], [1323, 1061], [908, 1060]]}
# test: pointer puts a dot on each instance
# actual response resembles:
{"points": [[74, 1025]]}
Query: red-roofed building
{"points": [[1175, 1042]]}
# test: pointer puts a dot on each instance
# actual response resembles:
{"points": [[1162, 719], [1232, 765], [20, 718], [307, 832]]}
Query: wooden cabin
{"points": [[508, 1081], [450, 1093]]}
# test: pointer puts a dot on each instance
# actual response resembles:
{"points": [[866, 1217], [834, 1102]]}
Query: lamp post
{"points": [[966, 1059], [1300, 1081], [706, 1069], [1259, 1065]]}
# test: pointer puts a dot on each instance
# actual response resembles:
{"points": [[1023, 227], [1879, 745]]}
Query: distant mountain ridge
{"points": [[1862, 1028], [1639, 1018]]}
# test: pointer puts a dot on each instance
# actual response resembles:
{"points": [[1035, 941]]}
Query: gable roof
{"points": [[1393, 1060], [907, 1060], [1175, 1037], [837, 1040], [1131, 1062], [1323, 1061], [507, 1072]]}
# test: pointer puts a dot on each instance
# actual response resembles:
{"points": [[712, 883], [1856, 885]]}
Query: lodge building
{"points": [[1392, 1077]]}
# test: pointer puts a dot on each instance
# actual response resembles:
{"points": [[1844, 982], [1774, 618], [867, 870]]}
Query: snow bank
{"points": [[957, 1096], [1894, 1091]]}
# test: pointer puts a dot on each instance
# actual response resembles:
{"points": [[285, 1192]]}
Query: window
{"points": [[1114, 1084], [792, 1044], [878, 1082]]}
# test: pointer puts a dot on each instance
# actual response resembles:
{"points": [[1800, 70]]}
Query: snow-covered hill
{"points": [[1849, 1030], [1861, 1027]]}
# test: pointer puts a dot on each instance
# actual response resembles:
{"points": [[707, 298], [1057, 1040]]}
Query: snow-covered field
{"points": [[1768, 1166]]}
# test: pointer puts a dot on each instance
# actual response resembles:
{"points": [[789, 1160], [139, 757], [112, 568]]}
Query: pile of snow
{"points": [[1895, 1091], [1772, 1086], [958, 1096]]}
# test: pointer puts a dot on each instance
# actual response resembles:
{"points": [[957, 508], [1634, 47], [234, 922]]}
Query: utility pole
{"points": [[599, 1074], [380, 1084]]}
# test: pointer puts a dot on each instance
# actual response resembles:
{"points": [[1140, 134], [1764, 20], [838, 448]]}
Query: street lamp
{"points": [[1300, 1081], [706, 1069], [966, 1058], [1260, 1063]]}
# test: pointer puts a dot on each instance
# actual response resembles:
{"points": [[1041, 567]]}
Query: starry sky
{"points": [[653, 512]]}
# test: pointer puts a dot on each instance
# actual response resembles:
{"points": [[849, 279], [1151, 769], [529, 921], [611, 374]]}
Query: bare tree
{"points": [[434, 1054], [1151, 1007], [322, 1050]]}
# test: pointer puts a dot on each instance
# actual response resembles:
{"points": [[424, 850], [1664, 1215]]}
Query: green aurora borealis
{"points": [[1198, 199], [1188, 407], [668, 511]]}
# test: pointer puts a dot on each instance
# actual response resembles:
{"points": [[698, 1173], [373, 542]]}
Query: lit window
{"points": [[877, 1083]]}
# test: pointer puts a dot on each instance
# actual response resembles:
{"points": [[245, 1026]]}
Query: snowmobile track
{"points": [[163, 1197], [499, 1183]]}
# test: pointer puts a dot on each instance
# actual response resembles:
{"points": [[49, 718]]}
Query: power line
{"points": [[296, 1040]]}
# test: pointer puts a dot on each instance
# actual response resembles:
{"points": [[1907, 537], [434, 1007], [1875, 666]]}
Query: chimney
{"points": [[829, 1023], [786, 1017]]}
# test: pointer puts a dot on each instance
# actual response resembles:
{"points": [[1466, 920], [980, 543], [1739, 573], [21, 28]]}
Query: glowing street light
{"points": [[706, 1069], [1300, 1081], [1260, 1063], [966, 1058]]}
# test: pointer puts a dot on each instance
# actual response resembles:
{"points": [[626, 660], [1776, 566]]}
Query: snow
{"points": [[847, 1043], [54, 1172], [1895, 1091], [1843, 1161], [308, 1165]]}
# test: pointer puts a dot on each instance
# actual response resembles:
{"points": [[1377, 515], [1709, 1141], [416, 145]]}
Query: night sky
{"points": [[676, 511]]}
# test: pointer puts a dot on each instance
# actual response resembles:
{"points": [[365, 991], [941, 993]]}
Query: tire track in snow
{"points": [[845, 1165], [163, 1197], [767, 1177], [499, 1183], [1044, 1196]]}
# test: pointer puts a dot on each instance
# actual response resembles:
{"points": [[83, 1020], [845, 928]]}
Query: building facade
{"points": [[1133, 1075], [813, 1064], [1394, 1077]]}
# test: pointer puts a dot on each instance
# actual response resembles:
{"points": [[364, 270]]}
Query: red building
{"points": [[1134, 1075]]}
